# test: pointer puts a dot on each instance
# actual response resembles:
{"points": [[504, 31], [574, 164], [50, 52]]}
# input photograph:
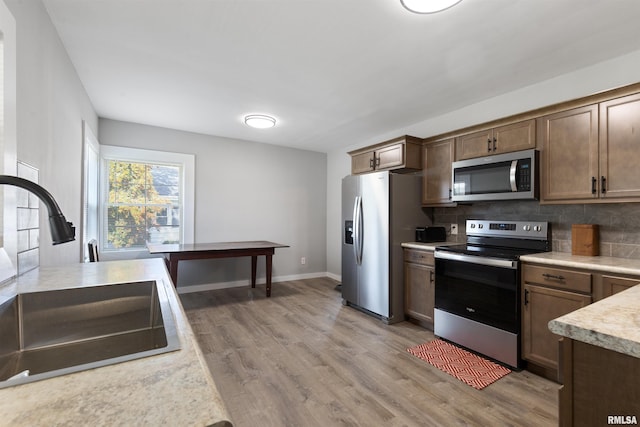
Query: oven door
{"points": [[485, 290]]}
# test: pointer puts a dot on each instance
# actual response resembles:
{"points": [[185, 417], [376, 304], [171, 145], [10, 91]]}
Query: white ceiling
{"points": [[333, 72]]}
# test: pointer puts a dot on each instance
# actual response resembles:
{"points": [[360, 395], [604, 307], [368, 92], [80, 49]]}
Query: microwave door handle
{"points": [[512, 175]]}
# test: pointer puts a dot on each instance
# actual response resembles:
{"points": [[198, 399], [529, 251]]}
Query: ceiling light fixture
{"points": [[428, 6], [260, 121]]}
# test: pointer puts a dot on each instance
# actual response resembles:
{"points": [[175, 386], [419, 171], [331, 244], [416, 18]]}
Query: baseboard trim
{"points": [[336, 277], [187, 289]]}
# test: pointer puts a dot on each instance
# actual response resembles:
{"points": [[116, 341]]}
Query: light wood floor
{"points": [[301, 358]]}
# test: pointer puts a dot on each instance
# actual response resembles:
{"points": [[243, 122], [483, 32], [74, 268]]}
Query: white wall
{"points": [[51, 105], [597, 78], [244, 191], [8, 236]]}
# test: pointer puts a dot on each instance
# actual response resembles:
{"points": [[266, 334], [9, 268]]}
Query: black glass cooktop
{"points": [[489, 251]]}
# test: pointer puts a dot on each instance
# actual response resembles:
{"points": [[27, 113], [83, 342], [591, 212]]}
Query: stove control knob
{"points": [[473, 226], [526, 228], [537, 228], [480, 225]]}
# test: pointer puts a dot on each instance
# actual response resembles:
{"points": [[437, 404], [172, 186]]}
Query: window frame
{"points": [[127, 154], [90, 190]]}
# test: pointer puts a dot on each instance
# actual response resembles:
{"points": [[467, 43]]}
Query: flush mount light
{"points": [[428, 6], [260, 121]]}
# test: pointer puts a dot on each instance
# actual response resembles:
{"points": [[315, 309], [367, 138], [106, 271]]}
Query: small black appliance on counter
{"points": [[431, 234]]}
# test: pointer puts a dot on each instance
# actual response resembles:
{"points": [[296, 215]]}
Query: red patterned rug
{"points": [[465, 366]]}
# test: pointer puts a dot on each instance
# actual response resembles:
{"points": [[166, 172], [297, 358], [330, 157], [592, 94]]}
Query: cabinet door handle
{"points": [[371, 163], [449, 194], [431, 278], [593, 185], [377, 161], [489, 145], [495, 140], [552, 276], [526, 296], [603, 181]]}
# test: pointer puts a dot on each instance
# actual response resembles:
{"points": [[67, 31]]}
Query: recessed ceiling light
{"points": [[260, 121], [428, 6]]}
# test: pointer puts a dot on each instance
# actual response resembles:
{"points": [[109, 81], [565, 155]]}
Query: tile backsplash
{"points": [[619, 222], [28, 218]]}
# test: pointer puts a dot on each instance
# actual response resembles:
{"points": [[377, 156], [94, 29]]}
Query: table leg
{"points": [[269, 262], [173, 270], [254, 265]]}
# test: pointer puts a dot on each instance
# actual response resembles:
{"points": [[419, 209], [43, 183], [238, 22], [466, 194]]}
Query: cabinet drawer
{"points": [[419, 257], [558, 278]]}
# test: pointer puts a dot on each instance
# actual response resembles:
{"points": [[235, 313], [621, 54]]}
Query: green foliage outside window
{"points": [[143, 204]]}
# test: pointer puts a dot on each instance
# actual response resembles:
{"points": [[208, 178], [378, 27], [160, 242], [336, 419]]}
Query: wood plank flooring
{"points": [[301, 358]]}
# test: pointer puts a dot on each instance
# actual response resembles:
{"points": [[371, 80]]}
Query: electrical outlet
{"points": [[303, 260], [454, 228]]}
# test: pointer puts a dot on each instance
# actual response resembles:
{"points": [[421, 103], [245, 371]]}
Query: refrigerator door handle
{"points": [[357, 229]]}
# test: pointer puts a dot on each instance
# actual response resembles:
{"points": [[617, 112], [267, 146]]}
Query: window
{"points": [[147, 197]]}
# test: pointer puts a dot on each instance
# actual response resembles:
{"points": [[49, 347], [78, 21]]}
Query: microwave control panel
{"points": [[524, 175]]}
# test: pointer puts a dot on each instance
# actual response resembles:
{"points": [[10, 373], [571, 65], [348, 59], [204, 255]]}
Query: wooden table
{"points": [[190, 251]]}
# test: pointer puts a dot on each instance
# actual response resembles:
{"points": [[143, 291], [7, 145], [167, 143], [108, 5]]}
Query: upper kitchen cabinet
{"points": [[590, 154], [436, 173], [620, 148], [570, 154], [504, 139], [396, 154]]}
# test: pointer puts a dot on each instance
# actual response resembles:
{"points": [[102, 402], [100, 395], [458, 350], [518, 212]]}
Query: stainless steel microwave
{"points": [[509, 176]]}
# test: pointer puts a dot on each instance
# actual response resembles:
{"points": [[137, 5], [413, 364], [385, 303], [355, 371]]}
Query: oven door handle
{"points": [[473, 259]]}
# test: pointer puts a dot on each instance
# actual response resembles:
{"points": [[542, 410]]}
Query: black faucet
{"points": [[61, 230]]}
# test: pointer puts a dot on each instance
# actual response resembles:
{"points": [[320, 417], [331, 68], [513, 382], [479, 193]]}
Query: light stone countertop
{"points": [[596, 263], [173, 388], [612, 323], [425, 246]]}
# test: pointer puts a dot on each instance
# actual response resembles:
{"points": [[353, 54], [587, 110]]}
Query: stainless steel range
{"points": [[477, 286]]}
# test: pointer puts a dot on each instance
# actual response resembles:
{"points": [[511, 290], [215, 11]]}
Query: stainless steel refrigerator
{"points": [[380, 211]]}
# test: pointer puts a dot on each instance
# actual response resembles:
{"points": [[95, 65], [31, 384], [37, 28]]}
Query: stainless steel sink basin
{"points": [[58, 332]]}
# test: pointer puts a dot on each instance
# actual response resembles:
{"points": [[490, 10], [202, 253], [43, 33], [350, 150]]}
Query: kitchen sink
{"points": [[51, 333]]}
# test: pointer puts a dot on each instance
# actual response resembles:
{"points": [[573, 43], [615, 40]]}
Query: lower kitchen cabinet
{"points": [[548, 293], [600, 386], [612, 284], [419, 286]]}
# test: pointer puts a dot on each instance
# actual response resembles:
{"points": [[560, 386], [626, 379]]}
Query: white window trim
{"points": [[187, 161], [91, 148]]}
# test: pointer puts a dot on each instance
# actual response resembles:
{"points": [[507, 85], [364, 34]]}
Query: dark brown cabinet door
{"points": [[620, 148], [364, 162], [419, 292], [477, 144], [541, 305], [390, 157], [436, 176], [503, 139], [514, 137], [419, 286], [570, 155], [612, 285]]}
